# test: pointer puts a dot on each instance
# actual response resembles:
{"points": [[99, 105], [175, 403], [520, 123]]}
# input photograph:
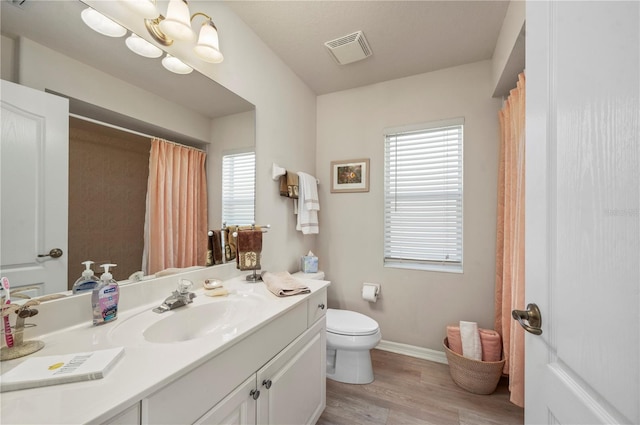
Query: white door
{"points": [[34, 156], [582, 217]]}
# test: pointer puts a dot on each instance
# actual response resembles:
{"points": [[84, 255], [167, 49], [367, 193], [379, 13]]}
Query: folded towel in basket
{"points": [[471, 347], [490, 341], [453, 336], [283, 284], [491, 345]]}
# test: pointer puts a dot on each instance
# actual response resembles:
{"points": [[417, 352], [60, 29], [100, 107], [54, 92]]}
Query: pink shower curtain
{"points": [[510, 237], [176, 216]]}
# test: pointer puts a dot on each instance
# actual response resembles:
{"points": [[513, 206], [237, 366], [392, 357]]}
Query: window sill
{"points": [[457, 268]]}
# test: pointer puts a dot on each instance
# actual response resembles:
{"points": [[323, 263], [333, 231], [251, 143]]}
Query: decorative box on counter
{"points": [[309, 263]]}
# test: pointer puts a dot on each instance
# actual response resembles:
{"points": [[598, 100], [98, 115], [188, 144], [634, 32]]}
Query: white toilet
{"points": [[350, 337]]}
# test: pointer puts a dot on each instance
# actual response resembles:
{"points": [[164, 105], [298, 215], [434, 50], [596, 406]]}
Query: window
{"points": [[238, 188], [423, 197]]}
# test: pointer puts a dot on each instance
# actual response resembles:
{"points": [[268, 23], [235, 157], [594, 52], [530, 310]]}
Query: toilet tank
{"points": [[319, 275]]}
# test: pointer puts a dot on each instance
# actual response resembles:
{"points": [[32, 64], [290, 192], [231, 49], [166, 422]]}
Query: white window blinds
{"points": [[423, 197], [238, 188]]}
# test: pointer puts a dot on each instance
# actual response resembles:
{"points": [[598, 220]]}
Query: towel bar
{"points": [[264, 228]]}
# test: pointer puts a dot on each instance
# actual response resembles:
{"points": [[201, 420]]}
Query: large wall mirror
{"points": [[140, 95]]}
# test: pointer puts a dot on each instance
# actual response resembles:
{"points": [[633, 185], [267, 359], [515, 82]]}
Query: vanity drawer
{"points": [[316, 306]]}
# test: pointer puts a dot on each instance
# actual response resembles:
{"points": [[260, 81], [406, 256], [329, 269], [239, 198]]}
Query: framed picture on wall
{"points": [[350, 176]]}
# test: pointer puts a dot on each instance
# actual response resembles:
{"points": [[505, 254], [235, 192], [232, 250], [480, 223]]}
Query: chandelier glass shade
{"points": [[176, 26]]}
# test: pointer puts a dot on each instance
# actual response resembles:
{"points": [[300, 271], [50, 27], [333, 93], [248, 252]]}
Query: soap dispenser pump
{"points": [[87, 281], [104, 299]]}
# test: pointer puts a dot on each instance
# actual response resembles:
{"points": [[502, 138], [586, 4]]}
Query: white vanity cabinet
{"points": [[237, 408], [129, 416], [274, 376], [292, 385], [206, 377], [317, 306], [290, 389]]}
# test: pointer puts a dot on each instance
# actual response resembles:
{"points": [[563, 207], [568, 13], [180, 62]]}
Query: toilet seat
{"points": [[350, 323]]}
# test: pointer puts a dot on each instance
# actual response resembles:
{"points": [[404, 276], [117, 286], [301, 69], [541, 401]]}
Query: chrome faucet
{"points": [[178, 298]]}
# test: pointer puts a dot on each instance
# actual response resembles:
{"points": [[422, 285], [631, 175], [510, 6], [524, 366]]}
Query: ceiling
{"points": [[406, 37]]}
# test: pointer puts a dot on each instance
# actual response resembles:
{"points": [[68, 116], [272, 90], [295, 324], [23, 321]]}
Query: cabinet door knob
{"points": [[254, 394], [321, 306], [267, 383]]}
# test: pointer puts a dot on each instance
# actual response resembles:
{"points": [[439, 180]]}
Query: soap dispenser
{"points": [[87, 281], [104, 299]]}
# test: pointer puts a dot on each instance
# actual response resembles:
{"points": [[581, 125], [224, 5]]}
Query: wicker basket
{"points": [[474, 376]]}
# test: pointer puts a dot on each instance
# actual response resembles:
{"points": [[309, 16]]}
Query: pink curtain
{"points": [[176, 216], [510, 237]]}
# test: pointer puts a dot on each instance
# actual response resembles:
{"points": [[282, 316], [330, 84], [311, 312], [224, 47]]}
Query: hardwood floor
{"points": [[413, 391]]}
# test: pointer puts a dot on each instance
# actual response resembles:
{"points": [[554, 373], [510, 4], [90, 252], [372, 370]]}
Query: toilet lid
{"points": [[345, 322]]}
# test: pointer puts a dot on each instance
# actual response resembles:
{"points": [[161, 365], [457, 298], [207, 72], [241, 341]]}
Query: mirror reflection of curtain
{"points": [[176, 216], [510, 237]]}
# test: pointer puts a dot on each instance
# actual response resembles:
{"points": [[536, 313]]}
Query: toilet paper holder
{"points": [[370, 291], [375, 285]]}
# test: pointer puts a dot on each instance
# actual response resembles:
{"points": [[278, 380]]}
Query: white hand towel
{"points": [[308, 204], [471, 346]]}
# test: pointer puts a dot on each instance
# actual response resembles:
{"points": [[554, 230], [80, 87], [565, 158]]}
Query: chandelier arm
{"points": [[201, 14]]}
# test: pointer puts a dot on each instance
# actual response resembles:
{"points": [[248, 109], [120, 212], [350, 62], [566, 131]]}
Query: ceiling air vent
{"points": [[350, 48]]}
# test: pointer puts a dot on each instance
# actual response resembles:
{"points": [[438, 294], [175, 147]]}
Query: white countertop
{"points": [[145, 367]]}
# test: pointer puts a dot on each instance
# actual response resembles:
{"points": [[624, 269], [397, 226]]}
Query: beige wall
{"points": [[285, 130], [415, 306], [8, 59], [75, 79], [228, 134], [509, 53]]}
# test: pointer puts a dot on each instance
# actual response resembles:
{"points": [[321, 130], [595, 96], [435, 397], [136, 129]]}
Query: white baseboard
{"points": [[413, 351]]}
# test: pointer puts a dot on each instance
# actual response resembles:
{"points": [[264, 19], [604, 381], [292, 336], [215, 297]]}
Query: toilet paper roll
{"points": [[369, 293]]}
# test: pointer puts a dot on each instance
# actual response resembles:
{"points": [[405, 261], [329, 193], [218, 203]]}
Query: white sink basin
{"points": [[190, 322], [220, 318]]}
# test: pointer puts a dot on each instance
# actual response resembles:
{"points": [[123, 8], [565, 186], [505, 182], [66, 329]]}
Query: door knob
{"points": [[267, 383], [530, 319], [54, 253], [254, 394]]}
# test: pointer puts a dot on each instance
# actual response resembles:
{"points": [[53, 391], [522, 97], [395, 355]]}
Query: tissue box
{"points": [[309, 264]]}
